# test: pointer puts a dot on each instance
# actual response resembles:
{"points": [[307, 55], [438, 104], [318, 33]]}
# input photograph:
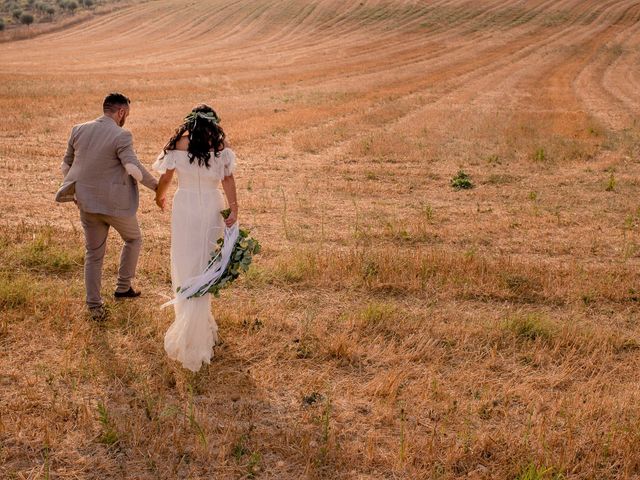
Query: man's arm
{"points": [[128, 158], [70, 154]]}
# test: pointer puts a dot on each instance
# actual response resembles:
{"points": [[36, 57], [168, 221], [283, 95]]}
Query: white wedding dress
{"points": [[196, 225]]}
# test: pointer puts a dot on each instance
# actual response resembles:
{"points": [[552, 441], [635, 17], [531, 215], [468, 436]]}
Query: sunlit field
{"points": [[447, 193]]}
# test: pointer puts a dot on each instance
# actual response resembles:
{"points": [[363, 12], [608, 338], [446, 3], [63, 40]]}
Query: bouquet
{"points": [[242, 254], [232, 255]]}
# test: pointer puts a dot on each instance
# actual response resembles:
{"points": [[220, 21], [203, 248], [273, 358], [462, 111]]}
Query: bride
{"points": [[197, 152]]}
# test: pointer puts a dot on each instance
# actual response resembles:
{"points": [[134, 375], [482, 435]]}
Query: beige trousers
{"points": [[96, 229]]}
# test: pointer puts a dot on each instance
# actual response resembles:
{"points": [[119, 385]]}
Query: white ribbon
{"points": [[212, 272], [204, 115]]}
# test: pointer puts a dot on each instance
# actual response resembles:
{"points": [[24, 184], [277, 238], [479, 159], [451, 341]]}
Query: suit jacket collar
{"points": [[105, 118]]}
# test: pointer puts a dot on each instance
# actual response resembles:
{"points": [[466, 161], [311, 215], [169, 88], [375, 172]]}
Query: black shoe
{"points": [[131, 293], [98, 314]]}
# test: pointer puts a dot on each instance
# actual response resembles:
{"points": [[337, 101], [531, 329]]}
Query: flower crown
{"points": [[193, 117]]}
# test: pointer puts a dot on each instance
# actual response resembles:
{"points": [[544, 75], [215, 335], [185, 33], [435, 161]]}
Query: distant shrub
{"points": [[87, 3], [533, 472], [427, 212], [494, 160], [540, 155], [72, 6], [617, 49], [16, 13], [611, 184], [461, 181], [44, 255], [376, 314], [51, 10], [530, 328], [1, 24], [26, 19], [14, 292], [109, 434]]}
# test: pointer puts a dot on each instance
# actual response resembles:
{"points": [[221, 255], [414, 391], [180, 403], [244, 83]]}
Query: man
{"points": [[101, 173]]}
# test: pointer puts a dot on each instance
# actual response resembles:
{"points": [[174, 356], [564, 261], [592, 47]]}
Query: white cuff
{"points": [[134, 171]]}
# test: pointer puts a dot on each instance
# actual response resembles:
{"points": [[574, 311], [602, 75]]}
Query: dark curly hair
{"points": [[205, 135]]}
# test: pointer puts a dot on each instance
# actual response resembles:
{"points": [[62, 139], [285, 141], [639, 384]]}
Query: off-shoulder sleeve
{"points": [[164, 161], [228, 158]]}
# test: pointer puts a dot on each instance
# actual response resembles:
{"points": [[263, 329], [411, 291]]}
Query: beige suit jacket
{"points": [[101, 163]]}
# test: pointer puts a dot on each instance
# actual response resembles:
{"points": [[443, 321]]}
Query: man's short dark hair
{"points": [[114, 101]]}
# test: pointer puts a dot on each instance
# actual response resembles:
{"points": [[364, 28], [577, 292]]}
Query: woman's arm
{"points": [[163, 186], [229, 187]]}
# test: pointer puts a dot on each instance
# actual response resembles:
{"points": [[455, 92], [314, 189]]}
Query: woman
{"points": [[197, 151]]}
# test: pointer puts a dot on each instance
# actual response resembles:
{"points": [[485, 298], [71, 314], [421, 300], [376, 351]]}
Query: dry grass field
{"points": [[393, 327], [22, 19]]}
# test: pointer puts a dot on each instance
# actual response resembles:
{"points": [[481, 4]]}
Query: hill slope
{"points": [[394, 327]]}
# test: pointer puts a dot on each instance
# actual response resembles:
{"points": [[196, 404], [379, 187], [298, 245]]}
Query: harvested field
{"points": [[393, 326]]}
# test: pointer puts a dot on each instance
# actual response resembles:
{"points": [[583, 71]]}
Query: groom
{"points": [[101, 172]]}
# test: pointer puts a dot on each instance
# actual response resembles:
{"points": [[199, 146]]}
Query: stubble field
{"points": [[393, 327]]}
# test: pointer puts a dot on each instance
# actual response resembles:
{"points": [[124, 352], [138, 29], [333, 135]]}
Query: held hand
{"points": [[160, 202], [231, 219]]}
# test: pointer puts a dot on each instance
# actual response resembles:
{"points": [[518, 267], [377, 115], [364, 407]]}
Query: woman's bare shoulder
{"points": [[183, 143]]}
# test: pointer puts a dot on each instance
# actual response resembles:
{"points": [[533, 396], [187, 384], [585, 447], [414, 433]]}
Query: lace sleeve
{"points": [[229, 161], [164, 162]]}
